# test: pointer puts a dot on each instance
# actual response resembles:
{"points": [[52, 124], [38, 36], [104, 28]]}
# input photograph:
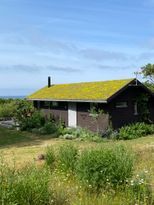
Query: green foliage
{"points": [[135, 131], [4, 101], [105, 167], [148, 72], [67, 157], [149, 85], [49, 156], [110, 133], [79, 133], [7, 108], [30, 119], [96, 113], [24, 110], [140, 189], [143, 110], [28, 186], [35, 120], [51, 127]]}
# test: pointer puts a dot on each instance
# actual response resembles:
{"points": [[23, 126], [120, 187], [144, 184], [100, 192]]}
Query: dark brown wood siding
{"points": [[124, 116], [60, 112], [86, 121], [152, 108]]}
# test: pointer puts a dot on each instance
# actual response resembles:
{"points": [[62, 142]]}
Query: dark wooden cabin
{"points": [[71, 103]]}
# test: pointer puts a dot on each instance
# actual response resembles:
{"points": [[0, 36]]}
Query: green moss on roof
{"points": [[81, 91]]}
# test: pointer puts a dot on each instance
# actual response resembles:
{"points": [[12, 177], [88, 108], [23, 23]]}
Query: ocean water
{"points": [[12, 97]]}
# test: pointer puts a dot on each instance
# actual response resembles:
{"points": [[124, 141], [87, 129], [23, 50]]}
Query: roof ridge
{"points": [[126, 79]]}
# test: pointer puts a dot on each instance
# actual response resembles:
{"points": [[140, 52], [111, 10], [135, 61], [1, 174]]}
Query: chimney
{"points": [[49, 81]]}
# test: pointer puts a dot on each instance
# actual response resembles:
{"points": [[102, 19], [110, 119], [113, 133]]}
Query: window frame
{"points": [[46, 105], [54, 104], [125, 104], [135, 106]]}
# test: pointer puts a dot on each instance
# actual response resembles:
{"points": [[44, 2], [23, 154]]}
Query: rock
{"points": [[41, 157]]}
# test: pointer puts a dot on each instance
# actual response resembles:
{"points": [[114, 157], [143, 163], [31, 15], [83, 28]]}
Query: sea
{"points": [[12, 97]]}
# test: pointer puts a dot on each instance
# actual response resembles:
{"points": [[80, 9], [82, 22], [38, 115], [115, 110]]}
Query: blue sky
{"points": [[72, 41]]}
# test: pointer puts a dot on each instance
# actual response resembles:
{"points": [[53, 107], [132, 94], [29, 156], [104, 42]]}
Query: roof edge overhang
{"points": [[67, 100]]}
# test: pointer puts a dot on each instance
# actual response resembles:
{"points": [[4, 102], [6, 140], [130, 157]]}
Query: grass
{"points": [[23, 148]]}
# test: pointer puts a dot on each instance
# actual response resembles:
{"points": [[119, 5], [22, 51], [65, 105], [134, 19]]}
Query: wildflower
{"points": [[141, 181], [132, 182]]}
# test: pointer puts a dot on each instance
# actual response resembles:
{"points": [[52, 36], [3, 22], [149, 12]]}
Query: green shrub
{"points": [[135, 131], [7, 109], [79, 133], [67, 157], [110, 133], [49, 156], [104, 167], [50, 127], [36, 120]]}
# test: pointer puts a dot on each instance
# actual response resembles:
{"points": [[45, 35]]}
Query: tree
{"points": [[148, 74]]}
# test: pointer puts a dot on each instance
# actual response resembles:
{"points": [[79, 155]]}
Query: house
{"points": [[71, 102]]}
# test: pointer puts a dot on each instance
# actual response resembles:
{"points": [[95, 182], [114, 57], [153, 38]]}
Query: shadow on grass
{"points": [[9, 137]]}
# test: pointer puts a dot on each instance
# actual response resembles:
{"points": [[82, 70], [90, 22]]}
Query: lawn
{"points": [[23, 147]]}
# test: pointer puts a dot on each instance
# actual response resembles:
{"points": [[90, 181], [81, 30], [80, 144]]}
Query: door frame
{"points": [[72, 114]]}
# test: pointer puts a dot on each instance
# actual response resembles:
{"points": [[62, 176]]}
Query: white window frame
{"points": [[135, 108], [54, 104], [122, 104]]}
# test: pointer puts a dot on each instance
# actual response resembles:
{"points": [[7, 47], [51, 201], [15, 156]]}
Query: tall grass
{"points": [[99, 168], [67, 157], [96, 176], [50, 157], [31, 185], [28, 186]]}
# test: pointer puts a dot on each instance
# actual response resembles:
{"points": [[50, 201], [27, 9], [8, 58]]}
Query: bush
{"points": [[67, 157], [79, 133], [51, 127], [110, 133], [135, 131], [107, 167], [7, 109], [36, 120], [49, 156]]}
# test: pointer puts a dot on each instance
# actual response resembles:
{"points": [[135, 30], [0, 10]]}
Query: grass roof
{"points": [[87, 91]]}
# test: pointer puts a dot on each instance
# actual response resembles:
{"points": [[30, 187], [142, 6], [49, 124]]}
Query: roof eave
{"points": [[67, 100]]}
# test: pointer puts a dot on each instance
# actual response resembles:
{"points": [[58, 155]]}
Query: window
{"points": [[47, 105], [54, 104], [121, 105], [93, 105], [135, 108], [38, 104]]}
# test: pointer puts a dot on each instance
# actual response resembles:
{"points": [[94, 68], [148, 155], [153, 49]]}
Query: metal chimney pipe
{"points": [[49, 81]]}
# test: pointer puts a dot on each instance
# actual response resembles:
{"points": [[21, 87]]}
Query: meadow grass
{"points": [[23, 148]]}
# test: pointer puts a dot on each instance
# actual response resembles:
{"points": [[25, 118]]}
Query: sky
{"points": [[72, 41]]}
